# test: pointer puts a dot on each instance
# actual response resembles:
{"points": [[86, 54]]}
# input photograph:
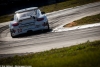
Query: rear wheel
{"points": [[12, 34], [48, 27]]}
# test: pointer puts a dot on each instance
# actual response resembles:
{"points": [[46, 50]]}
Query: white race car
{"points": [[29, 19]]}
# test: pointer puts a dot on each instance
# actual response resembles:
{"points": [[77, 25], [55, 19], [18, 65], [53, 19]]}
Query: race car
{"points": [[28, 19]]}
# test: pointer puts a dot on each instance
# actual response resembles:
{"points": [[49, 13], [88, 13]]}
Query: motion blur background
{"points": [[10, 6]]}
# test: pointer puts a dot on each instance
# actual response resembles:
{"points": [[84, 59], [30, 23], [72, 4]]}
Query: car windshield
{"points": [[27, 13]]}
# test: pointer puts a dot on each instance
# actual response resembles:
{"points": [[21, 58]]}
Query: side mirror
{"points": [[43, 12], [12, 19]]}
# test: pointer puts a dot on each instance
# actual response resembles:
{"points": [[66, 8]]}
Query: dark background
{"points": [[10, 6]]}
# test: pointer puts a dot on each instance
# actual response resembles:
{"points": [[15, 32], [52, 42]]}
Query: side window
{"points": [[38, 12], [35, 11], [15, 18]]}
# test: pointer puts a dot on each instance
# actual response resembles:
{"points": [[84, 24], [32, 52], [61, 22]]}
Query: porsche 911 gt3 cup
{"points": [[29, 19]]}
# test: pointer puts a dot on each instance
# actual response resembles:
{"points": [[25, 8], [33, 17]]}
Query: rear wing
{"points": [[27, 9]]}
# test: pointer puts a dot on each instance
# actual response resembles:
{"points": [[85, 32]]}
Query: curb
{"points": [[62, 29]]}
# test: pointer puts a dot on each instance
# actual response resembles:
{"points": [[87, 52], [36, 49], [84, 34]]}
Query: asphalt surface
{"points": [[46, 40]]}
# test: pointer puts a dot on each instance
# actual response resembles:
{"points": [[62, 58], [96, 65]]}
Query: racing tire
{"points": [[12, 34], [48, 27]]}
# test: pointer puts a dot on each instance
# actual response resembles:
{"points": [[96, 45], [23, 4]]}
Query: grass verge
{"points": [[86, 20], [66, 4], [82, 55], [54, 7], [5, 18]]}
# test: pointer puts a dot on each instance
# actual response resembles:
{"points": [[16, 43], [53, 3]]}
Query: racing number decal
{"points": [[19, 30]]}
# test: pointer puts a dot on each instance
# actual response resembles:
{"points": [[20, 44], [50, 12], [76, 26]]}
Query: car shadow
{"points": [[32, 33]]}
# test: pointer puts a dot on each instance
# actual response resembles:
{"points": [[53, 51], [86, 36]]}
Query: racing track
{"points": [[48, 40]]}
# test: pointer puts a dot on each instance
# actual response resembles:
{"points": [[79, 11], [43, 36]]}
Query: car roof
{"points": [[26, 9]]}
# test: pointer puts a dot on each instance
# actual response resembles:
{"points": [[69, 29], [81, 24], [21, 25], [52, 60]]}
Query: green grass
{"points": [[5, 18], [82, 55], [86, 20], [65, 4], [54, 7]]}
